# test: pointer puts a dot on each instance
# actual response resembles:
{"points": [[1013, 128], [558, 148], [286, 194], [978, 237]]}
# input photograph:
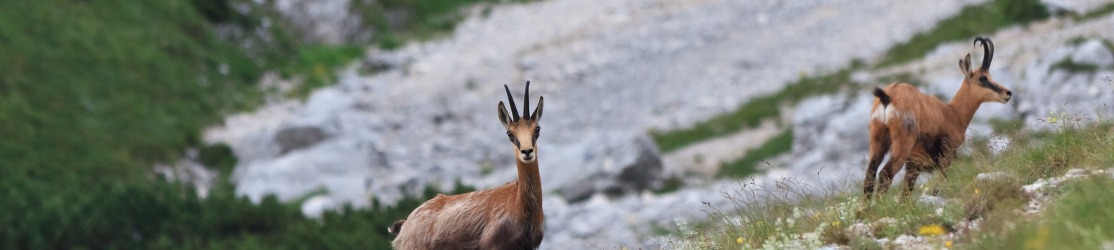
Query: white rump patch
{"points": [[884, 113]]}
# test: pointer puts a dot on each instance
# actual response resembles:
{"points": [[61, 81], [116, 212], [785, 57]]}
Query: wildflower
{"points": [[976, 191], [816, 216], [739, 240], [1039, 241], [931, 230], [835, 223], [948, 243]]}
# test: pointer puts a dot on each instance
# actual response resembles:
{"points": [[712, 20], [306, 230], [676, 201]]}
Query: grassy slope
{"points": [[93, 92], [752, 113], [971, 21], [1031, 156]]}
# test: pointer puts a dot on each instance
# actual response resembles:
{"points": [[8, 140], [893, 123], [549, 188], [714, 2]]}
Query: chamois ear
{"points": [[965, 65], [537, 116], [504, 117]]}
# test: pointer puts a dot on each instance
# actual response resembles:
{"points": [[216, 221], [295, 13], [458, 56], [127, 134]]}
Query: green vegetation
{"points": [[398, 20], [164, 215], [92, 93], [1096, 13], [748, 165], [787, 216], [1074, 67], [1081, 219], [752, 113], [970, 22]]}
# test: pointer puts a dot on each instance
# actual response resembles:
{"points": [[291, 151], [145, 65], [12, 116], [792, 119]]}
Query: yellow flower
{"points": [[976, 191], [816, 216], [948, 243], [835, 223], [931, 230], [1039, 241], [739, 240]]}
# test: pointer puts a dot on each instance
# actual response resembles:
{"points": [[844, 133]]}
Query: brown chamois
{"points": [[505, 217], [922, 132]]}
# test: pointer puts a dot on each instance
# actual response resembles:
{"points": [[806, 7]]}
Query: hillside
{"points": [[314, 124]]}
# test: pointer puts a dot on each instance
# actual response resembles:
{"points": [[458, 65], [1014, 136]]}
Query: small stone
{"points": [[1076, 172], [932, 200], [992, 176], [316, 206], [858, 230]]}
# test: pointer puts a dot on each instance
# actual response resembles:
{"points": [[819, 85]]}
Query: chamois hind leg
{"points": [[912, 171], [879, 146], [900, 151]]}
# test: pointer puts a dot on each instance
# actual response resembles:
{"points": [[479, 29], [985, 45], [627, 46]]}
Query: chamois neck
{"points": [[965, 104], [530, 189]]}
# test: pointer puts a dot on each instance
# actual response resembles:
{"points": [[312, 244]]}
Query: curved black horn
{"points": [[514, 110], [526, 103], [988, 51]]}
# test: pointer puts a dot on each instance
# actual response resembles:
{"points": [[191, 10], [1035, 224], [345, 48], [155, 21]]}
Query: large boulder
{"points": [[324, 21], [614, 163], [1093, 52]]}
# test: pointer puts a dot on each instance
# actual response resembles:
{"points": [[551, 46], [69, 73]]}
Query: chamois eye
{"points": [[982, 78], [510, 136]]}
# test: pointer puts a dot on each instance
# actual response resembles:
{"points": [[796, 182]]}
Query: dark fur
{"points": [[882, 96], [395, 228]]}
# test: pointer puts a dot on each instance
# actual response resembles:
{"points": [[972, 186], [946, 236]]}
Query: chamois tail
{"points": [[882, 96]]}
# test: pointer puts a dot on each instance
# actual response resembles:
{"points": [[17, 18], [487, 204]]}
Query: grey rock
{"points": [[993, 176], [1093, 52], [324, 21], [318, 205], [935, 201], [1076, 172], [298, 137]]}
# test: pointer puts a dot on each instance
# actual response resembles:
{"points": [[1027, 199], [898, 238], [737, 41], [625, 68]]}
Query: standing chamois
{"points": [[922, 132], [506, 217]]}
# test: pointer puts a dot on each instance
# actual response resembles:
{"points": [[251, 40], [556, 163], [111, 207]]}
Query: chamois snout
{"points": [[527, 155]]}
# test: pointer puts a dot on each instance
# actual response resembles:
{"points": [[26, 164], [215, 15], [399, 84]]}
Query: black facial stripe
{"points": [[991, 86]]}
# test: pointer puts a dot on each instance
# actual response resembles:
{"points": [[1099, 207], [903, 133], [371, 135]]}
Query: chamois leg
{"points": [[899, 153], [912, 171], [879, 146]]}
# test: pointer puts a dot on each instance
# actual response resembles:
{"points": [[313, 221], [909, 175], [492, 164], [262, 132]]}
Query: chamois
{"points": [[505, 217], [922, 132]]}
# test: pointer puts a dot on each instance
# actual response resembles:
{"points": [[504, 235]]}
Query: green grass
{"points": [[1081, 219], [1096, 13], [761, 218], [972, 21], [413, 19], [92, 93], [1074, 67], [752, 113], [100, 89], [743, 167]]}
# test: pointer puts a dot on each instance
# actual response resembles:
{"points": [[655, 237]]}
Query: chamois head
{"points": [[979, 82], [522, 131]]}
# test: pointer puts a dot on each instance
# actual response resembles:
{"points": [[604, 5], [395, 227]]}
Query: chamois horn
{"points": [[988, 51], [514, 110], [526, 103]]}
